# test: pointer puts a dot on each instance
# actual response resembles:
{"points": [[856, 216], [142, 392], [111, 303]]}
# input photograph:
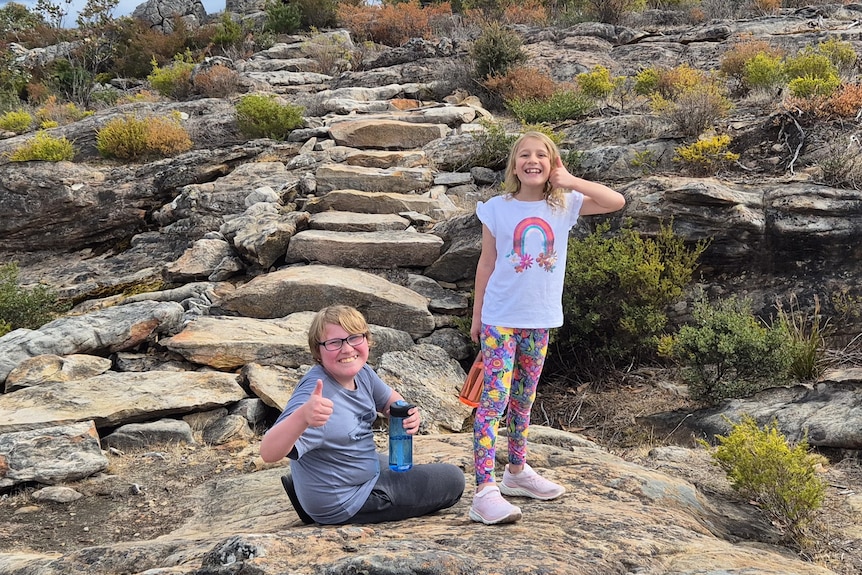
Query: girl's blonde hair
{"points": [[554, 196], [349, 318]]}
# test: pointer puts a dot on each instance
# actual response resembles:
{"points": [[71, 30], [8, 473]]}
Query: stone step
{"points": [[354, 222], [381, 249], [437, 206]]}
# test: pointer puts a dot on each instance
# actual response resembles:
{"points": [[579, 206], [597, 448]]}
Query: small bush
{"points": [[734, 61], [331, 53], [494, 146], [166, 137], [695, 109], [811, 64], [763, 71], [597, 84], [496, 50], [318, 14], [131, 138], [262, 116], [530, 12], [18, 121], [647, 81], [62, 114], [813, 87], [282, 18], [28, 308], [228, 32], [174, 80], [841, 164], [841, 54], [613, 11], [806, 331], [727, 352], [706, 156], [765, 7], [562, 105], [136, 97], [392, 24], [847, 101], [764, 467], [617, 290], [216, 82], [522, 82], [45, 147], [669, 83]]}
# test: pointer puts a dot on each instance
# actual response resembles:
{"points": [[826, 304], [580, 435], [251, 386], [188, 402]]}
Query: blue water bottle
{"points": [[400, 444]]}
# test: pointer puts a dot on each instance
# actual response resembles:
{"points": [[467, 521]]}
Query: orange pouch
{"points": [[471, 391]]}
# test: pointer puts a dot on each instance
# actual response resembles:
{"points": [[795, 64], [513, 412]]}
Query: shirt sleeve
{"points": [[574, 202]]}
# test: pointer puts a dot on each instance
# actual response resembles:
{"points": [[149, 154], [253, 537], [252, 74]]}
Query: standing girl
{"points": [[518, 299]]}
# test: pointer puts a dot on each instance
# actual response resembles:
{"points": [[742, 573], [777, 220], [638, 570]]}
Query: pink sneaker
{"points": [[490, 508], [528, 483]]}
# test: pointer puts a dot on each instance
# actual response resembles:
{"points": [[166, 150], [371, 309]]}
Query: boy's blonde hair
{"points": [[349, 318], [554, 196]]}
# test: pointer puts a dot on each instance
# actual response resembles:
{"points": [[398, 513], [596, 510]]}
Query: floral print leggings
{"points": [[513, 361]]}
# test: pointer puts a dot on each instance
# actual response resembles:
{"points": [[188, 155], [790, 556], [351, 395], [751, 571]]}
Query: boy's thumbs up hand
{"points": [[317, 408]]}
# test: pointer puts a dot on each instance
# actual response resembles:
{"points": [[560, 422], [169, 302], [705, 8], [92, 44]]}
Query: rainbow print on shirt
{"points": [[533, 228]]}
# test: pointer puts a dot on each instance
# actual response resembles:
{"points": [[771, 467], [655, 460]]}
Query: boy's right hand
{"points": [[317, 408]]}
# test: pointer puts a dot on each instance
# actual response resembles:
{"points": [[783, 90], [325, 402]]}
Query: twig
{"points": [[798, 147], [678, 425]]}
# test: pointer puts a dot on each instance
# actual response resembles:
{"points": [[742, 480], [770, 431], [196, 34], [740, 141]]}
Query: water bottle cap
{"points": [[400, 408]]}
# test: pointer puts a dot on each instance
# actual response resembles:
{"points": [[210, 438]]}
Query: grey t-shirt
{"points": [[335, 466]]}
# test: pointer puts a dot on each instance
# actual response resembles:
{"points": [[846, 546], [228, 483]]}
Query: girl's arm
{"points": [[281, 438], [598, 198], [487, 260]]}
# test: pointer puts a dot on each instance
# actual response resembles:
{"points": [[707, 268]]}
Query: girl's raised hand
{"points": [[559, 175]]}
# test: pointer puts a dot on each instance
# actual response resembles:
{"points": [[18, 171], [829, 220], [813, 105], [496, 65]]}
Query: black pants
{"points": [[424, 489]]}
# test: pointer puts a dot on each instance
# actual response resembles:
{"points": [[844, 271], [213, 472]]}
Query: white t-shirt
{"points": [[525, 289]]}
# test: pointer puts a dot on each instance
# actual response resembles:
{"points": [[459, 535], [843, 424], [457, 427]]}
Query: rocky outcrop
{"points": [[239, 242]]}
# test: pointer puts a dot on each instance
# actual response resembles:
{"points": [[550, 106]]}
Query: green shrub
{"points": [[282, 18], [706, 156], [806, 332], [646, 81], [840, 53], [63, 114], [694, 109], [562, 105], [764, 467], [18, 121], [494, 146], [132, 138], [45, 147], [496, 50], [262, 116], [27, 308], [174, 80], [763, 71], [727, 352], [617, 289], [597, 84], [669, 83], [319, 13], [811, 64], [228, 32], [812, 87]]}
